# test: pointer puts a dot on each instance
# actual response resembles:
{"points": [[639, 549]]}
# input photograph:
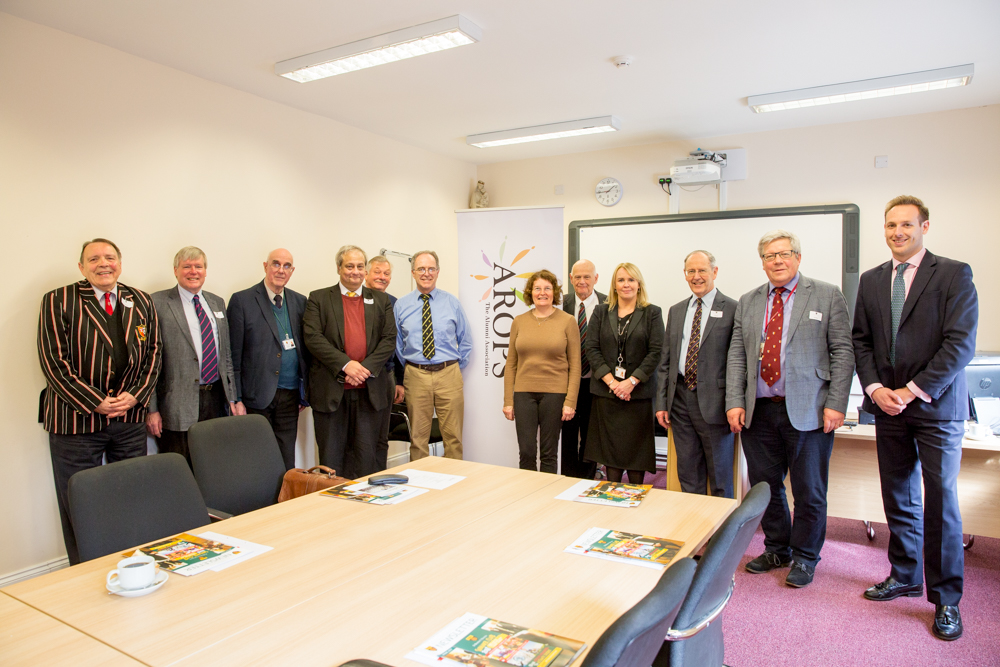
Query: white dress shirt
{"points": [[589, 304], [706, 310], [194, 326]]}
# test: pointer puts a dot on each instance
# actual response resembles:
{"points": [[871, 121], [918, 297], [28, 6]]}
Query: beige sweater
{"points": [[544, 356]]}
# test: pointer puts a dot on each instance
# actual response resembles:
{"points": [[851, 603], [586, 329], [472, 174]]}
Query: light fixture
{"points": [[572, 128], [901, 84], [390, 47]]}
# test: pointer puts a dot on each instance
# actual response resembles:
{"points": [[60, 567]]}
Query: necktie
{"points": [[352, 294], [898, 299], [109, 309], [770, 363], [694, 343], [581, 320], [277, 301], [427, 327], [209, 355]]}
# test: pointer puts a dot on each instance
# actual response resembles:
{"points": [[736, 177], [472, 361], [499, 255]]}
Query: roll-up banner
{"points": [[498, 249]]}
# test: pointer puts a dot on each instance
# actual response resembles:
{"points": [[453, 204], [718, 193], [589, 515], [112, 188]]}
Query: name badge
{"points": [[715, 313], [288, 344], [369, 301], [220, 314], [813, 315], [619, 372], [126, 303]]}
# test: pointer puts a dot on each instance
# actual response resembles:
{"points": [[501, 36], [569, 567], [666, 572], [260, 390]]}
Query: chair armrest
{"points": [[709, 618], [361, 662], [218, 515]]}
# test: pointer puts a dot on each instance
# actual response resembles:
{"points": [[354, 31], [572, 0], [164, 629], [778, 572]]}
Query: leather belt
{"points": [[206, 387], [772, 399], [433, 367]]}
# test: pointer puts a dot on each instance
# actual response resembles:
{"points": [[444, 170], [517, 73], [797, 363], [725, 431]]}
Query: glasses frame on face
{"points": [[276, 265], [429, 270], [697, 272], [784, 254]]}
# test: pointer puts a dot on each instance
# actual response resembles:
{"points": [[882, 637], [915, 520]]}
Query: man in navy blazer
{"points": [[378, 278], [270, 361], [914, 333]]}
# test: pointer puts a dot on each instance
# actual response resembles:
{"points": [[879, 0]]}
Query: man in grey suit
{"points": [[350, 331], [196, 382], [270, 362], [691, 383], [580, 304], [791, 361]]}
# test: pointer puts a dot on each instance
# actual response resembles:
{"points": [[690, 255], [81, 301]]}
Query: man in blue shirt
{"points": [[435, 343]]}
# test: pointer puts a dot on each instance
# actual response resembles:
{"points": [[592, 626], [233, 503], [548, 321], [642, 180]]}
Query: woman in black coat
{"points": [[623, 346]]}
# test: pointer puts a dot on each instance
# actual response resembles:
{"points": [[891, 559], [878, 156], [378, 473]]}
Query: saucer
{"points": [[161, 578]]}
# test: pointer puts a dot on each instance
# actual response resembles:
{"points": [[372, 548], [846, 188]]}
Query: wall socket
{"points": [[559, 190], [881, 161]]}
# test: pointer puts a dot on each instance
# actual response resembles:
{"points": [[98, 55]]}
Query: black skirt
{"points": [[620, 434]]}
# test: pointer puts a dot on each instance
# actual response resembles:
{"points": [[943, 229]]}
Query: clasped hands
{"points": [[116, 406], [893, 402], [623, 389], [355, 373]]}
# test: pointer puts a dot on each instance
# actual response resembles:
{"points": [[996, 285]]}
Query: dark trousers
{"points": [[923, 540], [382, 448], [347, 438], [774, 447], [212, 404], [283, 415], [538, 421], [704, 451], [73, 453], [574, 437]]}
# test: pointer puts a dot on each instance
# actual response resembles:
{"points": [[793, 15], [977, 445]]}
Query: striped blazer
{"points": [[76, 357]]}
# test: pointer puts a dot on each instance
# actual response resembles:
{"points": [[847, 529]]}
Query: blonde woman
{"points": [[542, 377], [623, 346]]}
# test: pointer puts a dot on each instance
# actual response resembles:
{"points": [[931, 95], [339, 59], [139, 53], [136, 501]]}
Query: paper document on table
{"points": [[189, 554], [615, 494], [477, 641], [374, 494], [431, 480], [247, 549], [987, 409], [574, 492], [643, 550]]}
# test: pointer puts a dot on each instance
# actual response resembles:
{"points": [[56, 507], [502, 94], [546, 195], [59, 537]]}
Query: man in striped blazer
{"points": [[98, 343]]}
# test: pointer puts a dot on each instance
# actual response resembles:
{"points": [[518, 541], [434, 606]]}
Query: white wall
{"points": [[95, 142], [945, 158]]}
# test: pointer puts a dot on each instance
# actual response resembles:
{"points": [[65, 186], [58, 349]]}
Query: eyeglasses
{"points": [[278, 265], [771, 256], [697, 272], [429, 270]]}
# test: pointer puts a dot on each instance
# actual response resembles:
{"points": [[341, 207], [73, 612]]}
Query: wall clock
{"points": [[609, 191]]}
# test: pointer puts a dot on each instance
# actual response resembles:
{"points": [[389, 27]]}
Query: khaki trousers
{"points": [[427, 391]]}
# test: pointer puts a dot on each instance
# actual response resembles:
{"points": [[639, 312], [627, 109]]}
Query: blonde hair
{"points": [[189, 254], [633, 270]]}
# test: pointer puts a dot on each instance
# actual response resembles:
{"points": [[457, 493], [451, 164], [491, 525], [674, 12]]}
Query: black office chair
{"points": [[696, 636], [126, 503], [237, 463], [399, 427], [633, 639]]}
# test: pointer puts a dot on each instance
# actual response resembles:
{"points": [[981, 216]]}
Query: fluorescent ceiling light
{"points": [[902, 84], [572, 128], [390, 47]]}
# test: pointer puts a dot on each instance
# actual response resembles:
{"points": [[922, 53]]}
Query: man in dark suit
{"points": [[270, 362], [788, 380], [691, 383], [580, 304], [98, 344], [197, 379], [351, 333], [378, 278], [914, 333]]}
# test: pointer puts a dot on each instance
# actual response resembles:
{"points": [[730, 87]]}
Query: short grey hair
{"points": [[188, 254], [437, 262], [346, 249], [772, 236], [378, 259], [709, 256]]}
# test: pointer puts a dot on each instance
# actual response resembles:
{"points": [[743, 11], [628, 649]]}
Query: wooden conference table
{"points": [[348, 580]]}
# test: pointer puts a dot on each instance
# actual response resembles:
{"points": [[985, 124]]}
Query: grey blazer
{"points": [[176, 395], [712, 356], [819, 354]]}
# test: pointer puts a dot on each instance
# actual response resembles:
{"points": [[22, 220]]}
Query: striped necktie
{"points": [[898, 299], [427, 327], [209, 354], [581, 320], [694, 344]]}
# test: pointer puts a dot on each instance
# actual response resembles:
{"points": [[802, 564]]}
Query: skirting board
{"points": [[34, 571]]}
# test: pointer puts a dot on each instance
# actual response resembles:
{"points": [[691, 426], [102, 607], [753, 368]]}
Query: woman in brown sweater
{"points": [[542, 376]]}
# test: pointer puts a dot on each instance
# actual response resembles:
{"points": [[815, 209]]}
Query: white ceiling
{"points": [[544, 61]]}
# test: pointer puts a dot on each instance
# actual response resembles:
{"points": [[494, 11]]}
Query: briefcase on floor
{"points": [[299, 482]]}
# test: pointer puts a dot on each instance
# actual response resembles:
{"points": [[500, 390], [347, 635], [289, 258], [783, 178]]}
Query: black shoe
{"points": [[766, 562], [801, 575], [947, 622], [890, 589]]}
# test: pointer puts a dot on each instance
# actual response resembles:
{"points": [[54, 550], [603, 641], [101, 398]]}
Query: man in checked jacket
{"points": [[98, 344]]}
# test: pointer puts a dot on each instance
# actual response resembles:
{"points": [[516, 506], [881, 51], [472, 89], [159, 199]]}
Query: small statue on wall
{"points": [[480, 198]]}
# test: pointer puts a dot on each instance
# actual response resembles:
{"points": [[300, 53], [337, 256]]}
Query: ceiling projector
{"points": [[695, 171]]}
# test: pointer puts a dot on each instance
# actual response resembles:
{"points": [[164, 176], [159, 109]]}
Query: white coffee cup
{"points": [[133, 573], [979, 431]]}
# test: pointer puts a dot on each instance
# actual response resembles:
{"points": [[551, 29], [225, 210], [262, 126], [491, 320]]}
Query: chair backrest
{"points": [[237, 463], [635, 638], [131, 502]]}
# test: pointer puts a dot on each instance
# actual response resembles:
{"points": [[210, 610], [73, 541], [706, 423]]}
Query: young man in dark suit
{"points": [[270, 360], [99, 347], [691, 383], [580, 304], [351, 333], [914, 333]]}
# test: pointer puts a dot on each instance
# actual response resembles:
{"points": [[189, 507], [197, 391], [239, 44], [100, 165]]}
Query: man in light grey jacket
{"points": [[788, 378], [196, 382]]}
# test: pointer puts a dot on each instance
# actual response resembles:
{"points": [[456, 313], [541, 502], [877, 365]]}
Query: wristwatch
{"points": [[634, 381]]}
